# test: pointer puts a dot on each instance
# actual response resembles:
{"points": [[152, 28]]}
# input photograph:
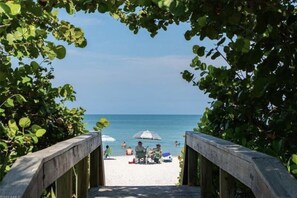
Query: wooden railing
{"points": [[263, 174], [31, 174]]}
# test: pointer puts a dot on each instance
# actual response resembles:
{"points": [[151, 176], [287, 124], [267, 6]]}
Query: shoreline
{"points": [[119, 172]]}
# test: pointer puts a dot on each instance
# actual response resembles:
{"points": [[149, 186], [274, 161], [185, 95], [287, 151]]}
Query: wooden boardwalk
{"points": [[145, 191]]}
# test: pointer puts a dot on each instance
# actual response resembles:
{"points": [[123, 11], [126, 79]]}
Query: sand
{"points": [[119, 172]]}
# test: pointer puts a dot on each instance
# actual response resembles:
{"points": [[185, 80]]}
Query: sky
{"points": [[123, 73]]}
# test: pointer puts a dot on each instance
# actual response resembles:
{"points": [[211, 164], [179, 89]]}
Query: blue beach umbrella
{"points": [[147, 135]]}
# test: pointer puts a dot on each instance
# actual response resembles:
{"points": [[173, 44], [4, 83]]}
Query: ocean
{"points": [[171, 128]]}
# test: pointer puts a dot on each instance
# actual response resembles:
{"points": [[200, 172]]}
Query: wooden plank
{"points": [[247, 166], [193, 167], [101, 167], [95, 168], [271, 179], [64, 185], [82, 178], [171, 191], [24, 179], [227, 185], [205, 177]]}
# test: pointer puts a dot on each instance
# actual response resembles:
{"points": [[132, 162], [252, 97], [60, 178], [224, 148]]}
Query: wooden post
{"points": [[101, 167], [94, 168], [184, 179], [82, 178], [64, 185], [97, 176], [205, 177], [192, 167], [227, 185]]}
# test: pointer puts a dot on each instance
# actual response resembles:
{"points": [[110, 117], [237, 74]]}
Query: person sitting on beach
{"points": [[156, 154], [129, 151], [107, 151], [124, 145], [140, 152]]}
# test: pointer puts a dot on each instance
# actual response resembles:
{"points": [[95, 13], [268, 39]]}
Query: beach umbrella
{"points": [[147, 135], [107, 138]]}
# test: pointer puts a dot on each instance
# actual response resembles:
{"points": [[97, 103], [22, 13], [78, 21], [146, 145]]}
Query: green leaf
{"points": [[294, 158], [188, 76], [70, 8], [20, 98], [13, 125], [25, 79], [14, 7], [3, 146], [10, 38], [2, 112], [215, 55], [35, 139], [35, 127], [9, 102], [221, 41], [242, 45], [60, 51], [25, 122], [4, 9], [102, 8], [40, 132]]}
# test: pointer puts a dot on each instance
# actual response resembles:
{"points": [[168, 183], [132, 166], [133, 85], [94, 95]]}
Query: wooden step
{"points": [[145, 191]]}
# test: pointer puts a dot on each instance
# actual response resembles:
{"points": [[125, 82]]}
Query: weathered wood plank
{"points": [[101, 167], [94, 168], [205, 177], [82, 178], [227, 185], [247, 166], [64, 185], [193, 167], [21, 180], [145, 192], [33, 173]]}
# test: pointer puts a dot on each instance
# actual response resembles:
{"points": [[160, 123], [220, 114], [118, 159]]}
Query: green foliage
{"points": [[292, 165], [102, 123], [17, 139], [32, 112]]}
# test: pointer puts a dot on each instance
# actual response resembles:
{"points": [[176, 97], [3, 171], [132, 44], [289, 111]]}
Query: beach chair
{"points": [[140, 155], [166, 157]]}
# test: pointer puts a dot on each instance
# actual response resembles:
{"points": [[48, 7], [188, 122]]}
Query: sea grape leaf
{"points": [[40, 132], [25, 122]]}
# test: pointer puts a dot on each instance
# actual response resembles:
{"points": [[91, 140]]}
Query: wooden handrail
{"points": [[264, 175], [32, 173]]}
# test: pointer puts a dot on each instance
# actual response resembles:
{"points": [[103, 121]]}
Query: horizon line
{"points": [[138, 114]]}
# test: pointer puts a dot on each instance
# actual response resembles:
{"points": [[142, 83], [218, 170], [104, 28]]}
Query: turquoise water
{"points": [[171, 128]]}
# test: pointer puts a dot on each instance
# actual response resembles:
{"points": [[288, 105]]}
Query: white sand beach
{"points": [[118, 172]]}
